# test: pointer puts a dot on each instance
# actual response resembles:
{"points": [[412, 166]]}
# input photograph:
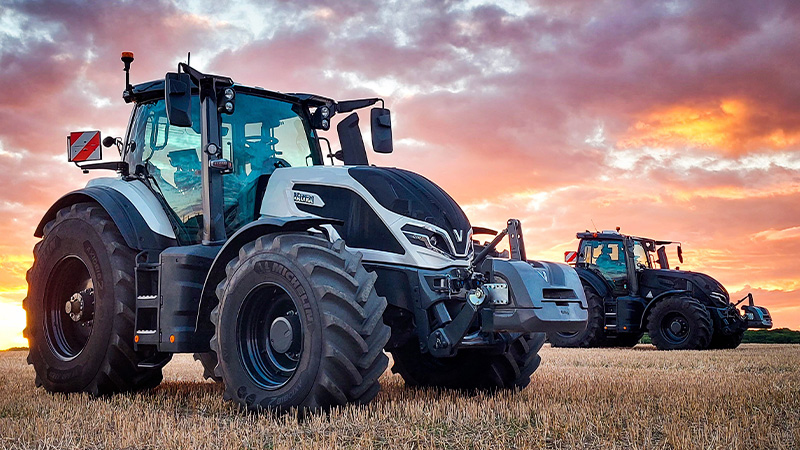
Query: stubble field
{"points": [[600, 398]]}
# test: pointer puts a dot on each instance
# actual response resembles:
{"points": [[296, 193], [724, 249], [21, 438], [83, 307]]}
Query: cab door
{"points": [[608, 258]]}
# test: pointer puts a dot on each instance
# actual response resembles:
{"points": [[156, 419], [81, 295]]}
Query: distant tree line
{"points": [[776, 336]]}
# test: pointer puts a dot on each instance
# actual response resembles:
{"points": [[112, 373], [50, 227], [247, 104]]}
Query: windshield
{"points": [[261, 135], [607, 256]]}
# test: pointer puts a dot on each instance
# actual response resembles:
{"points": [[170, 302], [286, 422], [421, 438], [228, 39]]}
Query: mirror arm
{"points": [[119, 166], [330, 151]]}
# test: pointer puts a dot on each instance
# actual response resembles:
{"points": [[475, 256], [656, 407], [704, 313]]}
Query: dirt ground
{"points": [[599, 398]]}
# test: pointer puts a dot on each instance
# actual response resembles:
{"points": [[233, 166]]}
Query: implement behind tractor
{"points": [[224, 235], [628, 295]]}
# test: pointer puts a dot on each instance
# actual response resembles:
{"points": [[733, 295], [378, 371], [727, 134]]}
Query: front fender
{"points": [[594, 280], [656, 299], [248, 233]]}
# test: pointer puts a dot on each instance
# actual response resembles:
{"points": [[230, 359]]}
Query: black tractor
{"points": [[628, 296]]}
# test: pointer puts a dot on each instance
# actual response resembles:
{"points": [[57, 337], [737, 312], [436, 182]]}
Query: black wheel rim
{"points": [[270, 358], [675, 328], [68, 337]]}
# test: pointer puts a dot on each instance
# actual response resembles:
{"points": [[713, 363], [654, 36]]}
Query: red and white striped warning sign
{"points": [[571, 257], [84, 146]]}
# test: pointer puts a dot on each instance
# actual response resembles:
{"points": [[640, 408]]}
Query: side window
{"points": [[640, 256], [171, 156], [261, 136]]}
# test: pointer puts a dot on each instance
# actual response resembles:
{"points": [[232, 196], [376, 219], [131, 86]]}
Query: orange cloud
{"points": [[731, 125]]}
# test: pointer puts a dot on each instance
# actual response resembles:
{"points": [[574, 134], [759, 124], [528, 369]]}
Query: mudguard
{"points": [[135, 230], [544, 297], [248, 233], [594, 280], [652, 303]]}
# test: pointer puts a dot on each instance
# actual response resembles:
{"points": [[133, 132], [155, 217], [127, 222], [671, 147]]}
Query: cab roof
{"points": [[152, 90], [611, 235]]}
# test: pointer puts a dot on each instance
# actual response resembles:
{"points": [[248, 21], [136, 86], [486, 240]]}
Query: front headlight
{"points": [[426, 238], [720, 297]]}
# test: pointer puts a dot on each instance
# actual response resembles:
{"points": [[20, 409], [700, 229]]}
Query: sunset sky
{"points": [[675, 120]]}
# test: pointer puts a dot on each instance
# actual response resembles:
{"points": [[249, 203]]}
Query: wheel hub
{"points": [[79, 305], [676, 327], [281, 335]]}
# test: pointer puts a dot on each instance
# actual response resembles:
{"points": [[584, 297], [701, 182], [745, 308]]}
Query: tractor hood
{"points": [[701, 285], [387, 214], [412, 195]]}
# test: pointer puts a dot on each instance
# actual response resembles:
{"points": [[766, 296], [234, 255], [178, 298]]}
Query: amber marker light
{"points": [[172, 339], [136, 339]]}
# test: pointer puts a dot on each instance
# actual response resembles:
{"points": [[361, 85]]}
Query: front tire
{"points": [[83, 264], [471, 369], [680, 323], [726, 342], [299, 325], [624, 340]]}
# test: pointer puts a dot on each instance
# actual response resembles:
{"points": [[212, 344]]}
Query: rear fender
{"points": [[229, 250], [134, 228], [657, 299]]}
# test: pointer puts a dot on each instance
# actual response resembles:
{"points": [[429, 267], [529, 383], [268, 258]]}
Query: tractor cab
{"points": [[260, 131], [617, 258]]}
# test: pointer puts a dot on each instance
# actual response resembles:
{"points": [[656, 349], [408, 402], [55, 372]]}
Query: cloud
{"points": [[776, 235]]}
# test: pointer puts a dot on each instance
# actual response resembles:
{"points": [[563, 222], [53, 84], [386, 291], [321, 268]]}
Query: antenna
{"points": [[595, 226], [188, 59]]}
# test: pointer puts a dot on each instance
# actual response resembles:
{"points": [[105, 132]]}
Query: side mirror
{"points": [[353, 152], [381, 123], [680, 254], [178, 95], [662, 258]]}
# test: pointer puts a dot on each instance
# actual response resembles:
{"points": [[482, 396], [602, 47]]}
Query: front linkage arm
{"points": [[444, 340], [515, 242]]}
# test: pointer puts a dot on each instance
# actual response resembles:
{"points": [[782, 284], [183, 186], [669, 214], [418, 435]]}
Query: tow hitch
{"points": [[441, 342]]}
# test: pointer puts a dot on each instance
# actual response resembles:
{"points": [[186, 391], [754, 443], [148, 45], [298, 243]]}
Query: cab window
{"points": [[171, 159], [607, 256], [261, 136], [640, 258]]}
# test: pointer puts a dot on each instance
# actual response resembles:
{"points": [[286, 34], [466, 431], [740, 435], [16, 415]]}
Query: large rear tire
{"points": [[591, 336], [680, 323], [721, 341], [82, 263], [471, 369], [299, 325]]}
